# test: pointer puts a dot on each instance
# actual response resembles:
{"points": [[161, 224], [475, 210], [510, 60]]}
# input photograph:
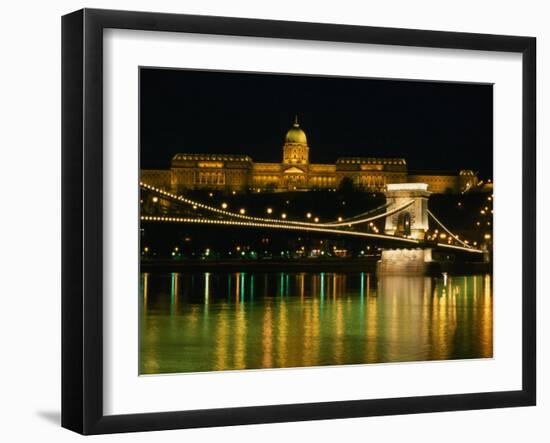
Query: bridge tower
{"points": [[410, 221]]}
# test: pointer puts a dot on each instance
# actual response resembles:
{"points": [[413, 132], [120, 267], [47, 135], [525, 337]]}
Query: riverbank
{"points": [[365, 264]]}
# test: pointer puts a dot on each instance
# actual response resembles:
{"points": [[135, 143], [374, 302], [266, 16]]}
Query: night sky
{"points": [[435, 126]]}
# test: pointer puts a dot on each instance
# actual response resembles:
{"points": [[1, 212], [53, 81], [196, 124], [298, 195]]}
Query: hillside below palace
{"points": [[295, 172]]}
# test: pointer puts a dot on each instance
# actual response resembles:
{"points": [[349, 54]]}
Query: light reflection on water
{"points": [[194, 322]]}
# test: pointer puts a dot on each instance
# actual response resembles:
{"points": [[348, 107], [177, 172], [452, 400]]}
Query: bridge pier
{"points": [[410, 222]]}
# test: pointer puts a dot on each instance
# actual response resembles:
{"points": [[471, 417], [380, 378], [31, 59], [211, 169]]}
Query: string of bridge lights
{"points": [[294, 225], [315, 228], [340, 222], [295, 228]]}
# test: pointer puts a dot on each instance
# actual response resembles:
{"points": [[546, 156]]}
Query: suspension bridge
{"points": [[405, 213]]}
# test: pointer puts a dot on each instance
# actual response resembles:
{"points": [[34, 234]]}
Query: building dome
{"points": [[295, 134]]}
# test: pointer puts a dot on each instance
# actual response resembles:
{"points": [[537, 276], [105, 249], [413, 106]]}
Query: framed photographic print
{"points": [[269, 221]]}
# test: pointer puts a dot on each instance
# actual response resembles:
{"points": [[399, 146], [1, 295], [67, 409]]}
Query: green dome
{"points": [[295, 134]]}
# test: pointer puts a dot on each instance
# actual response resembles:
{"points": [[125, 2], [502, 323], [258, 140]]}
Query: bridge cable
{"points": [[185, 200], [447, 230]]}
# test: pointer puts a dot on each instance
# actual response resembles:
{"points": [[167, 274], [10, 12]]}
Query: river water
{"points": [[200, 321]]}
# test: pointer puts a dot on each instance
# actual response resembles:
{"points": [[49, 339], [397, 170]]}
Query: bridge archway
{"points": [[413, 220], [404, 223]]}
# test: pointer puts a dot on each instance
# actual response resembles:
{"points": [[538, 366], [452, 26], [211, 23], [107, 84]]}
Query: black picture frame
{"points": [[82, 218]]}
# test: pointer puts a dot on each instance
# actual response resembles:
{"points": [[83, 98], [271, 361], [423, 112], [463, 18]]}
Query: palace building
{"points": [[295, 172]]}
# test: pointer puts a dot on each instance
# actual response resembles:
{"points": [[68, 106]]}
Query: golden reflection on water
{"points": [[267, 338], [213, 321]]}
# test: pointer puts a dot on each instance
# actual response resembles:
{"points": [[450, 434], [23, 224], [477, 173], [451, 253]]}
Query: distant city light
{"points": [[269, 210], [242, 211], [155, 199], [283, 215], [308, 215], [224, 205]]}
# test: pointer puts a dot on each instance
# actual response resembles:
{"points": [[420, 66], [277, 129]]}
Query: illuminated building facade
{"points": [[227, 172]]}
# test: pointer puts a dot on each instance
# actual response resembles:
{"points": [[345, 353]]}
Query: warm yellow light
{"points": [[308, 215], [269, 211], [155, 199], [146, 249], [224, 205], [340, 219], [316, 219], [242, 211], [487, 236], [442, 235], [283, 215]]}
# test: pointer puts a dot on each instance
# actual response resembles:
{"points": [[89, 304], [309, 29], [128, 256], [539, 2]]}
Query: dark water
{"points": [[218, 321]]}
